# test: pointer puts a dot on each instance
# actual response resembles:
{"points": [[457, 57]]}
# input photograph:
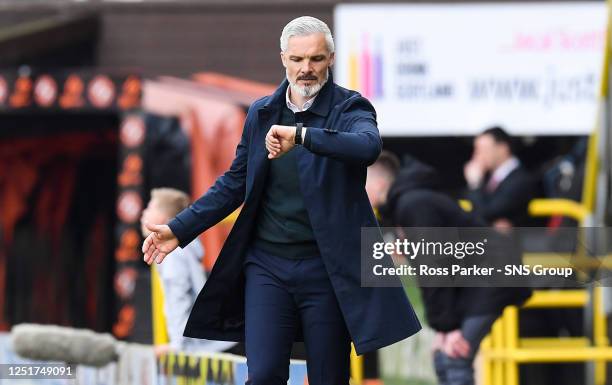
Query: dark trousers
{"points": [[282, 295], [460, 371]]}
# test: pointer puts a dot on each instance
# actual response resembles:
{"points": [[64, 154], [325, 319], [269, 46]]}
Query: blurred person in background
{"points": [[461, 316], [182, 276], [287, 270], [500, 190], [498, 186]]}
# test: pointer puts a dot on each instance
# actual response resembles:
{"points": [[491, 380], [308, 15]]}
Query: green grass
{"points": [[414, 294], [391, 381]]}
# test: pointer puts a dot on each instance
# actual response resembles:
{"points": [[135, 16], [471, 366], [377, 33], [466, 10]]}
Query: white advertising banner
{"points": [[455, 69]]}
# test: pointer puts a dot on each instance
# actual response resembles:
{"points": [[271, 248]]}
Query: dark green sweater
{"points": [[283, 227]]}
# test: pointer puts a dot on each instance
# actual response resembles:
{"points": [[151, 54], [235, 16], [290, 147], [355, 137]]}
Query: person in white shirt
{"points": [[182, 276]]}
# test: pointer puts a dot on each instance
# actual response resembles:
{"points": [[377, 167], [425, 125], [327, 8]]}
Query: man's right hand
{"points": [[473, 171], [159, 243], [279, 140], [455, 345]]}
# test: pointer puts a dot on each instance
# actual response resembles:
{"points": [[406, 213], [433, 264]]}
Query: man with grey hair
{"points": [[290, 268], [306, 26]]}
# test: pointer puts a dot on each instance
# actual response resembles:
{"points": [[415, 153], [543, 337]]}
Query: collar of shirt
{"points": [[295, 108], [505, 169]]}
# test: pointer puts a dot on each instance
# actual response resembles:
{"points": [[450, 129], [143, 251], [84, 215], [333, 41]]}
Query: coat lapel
{"points": [[267, 115]]}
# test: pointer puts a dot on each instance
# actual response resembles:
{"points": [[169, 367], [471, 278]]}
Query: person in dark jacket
{"points": [[498, 186], [287, 271], [461, 316]]}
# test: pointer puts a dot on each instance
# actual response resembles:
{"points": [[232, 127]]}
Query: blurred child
{"points": [[182, 275]]}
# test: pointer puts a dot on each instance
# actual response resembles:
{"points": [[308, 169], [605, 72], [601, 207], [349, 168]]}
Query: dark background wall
{"points": [[239, 37], [235, 40]]}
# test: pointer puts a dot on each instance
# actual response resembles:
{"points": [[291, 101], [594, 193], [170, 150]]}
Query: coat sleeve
{"points": [[355, 140], [509, 199], [440, 308], [225, 196], [421, 208]]}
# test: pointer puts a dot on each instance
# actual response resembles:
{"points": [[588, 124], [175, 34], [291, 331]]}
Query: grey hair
{"points": [[303, 26]]}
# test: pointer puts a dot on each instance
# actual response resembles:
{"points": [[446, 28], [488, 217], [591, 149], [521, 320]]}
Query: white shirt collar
{"points": [[504, 169], [295, 108]]}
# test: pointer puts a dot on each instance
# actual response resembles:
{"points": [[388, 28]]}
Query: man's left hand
{"points": [[279, 140]]}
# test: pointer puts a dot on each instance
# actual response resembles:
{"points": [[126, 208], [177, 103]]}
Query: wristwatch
{"points": [[298, 133]]}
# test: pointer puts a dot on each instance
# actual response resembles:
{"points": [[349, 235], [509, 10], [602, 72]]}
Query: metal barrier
{"points": [[502, 351], [215, 368]]}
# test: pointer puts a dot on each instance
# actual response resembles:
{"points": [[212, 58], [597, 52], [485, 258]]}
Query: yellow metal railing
{"points": [[503, 350], [160, 330], [563, 207], [466, 205]]}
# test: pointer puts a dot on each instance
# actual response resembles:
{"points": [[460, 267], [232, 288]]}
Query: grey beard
{"points": [[308, 91]]}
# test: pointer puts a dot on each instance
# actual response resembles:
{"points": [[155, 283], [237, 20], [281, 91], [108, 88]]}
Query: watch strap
{"points": [[298, 133]]}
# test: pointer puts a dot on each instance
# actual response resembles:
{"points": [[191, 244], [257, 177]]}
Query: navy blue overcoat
{"points": [[341, 141]]}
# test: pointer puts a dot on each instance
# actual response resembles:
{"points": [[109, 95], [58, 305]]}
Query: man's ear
{"points": [[332, 58], [283, 59]]}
